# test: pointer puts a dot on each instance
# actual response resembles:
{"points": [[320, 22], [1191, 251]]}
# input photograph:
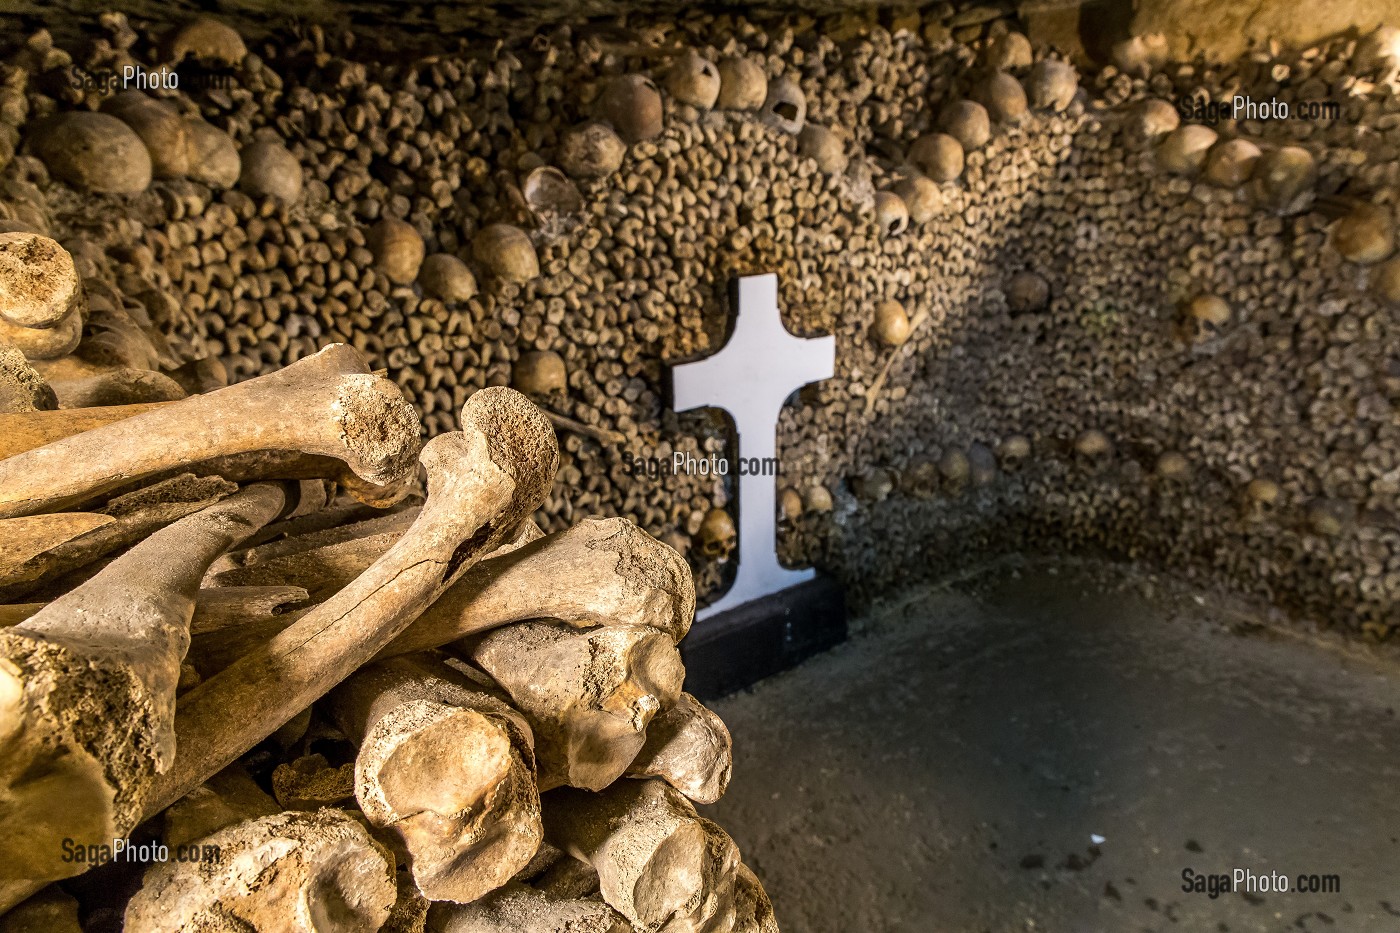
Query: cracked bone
{"points": [[519, 908], [292, 872], [588, 695], [87, 689], [448, 769], [482, 483], [657, 862], [326, 404], [689, 748], [617, 573]]}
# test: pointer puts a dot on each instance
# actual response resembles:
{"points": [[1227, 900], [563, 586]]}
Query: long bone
{"points": [[326, 404], [482, 483], [87, 689], [616, 573], [446, 767]]}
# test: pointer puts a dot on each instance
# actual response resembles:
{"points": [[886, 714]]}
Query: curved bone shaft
{"points": [[448, 769], [326, 404], [617, 573], [689, 748], [588, 695], [22, 539], [214, 609], [482, 483], [656, 860], [519, 908], [295, 872], [87, 689]]}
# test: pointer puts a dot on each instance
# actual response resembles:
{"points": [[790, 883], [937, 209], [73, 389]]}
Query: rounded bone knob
{"points": [[1184, 150], [39, 285]]}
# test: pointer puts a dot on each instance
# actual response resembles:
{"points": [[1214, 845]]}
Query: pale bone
{"points": [[519, 908], [291, 873], [285, 464], [616, 573], [229, 797], [135, 516], [87, 690], [588, 695], [714, 909], [448, 769], [482, 483], [689, 748], [753, 909], [326, 404], [657, 862], [214, 609]]}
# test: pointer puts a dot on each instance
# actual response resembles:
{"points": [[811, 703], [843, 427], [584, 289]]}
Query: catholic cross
{"points": [[760, 366]]}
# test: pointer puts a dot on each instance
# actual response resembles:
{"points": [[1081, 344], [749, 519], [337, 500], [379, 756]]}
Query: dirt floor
{"points": [[1037, 750]]}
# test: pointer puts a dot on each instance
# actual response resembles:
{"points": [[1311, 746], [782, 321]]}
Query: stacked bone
{"points": [[424, 716], [1063, 285]]}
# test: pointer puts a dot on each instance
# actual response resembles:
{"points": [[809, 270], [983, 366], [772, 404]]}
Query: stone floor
{"points": [[1040, 750]]}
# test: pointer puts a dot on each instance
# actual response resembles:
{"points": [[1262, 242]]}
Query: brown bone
{"points": [[448, 769], [482, 483], [87, 689], [519, 908], [326, 404]]}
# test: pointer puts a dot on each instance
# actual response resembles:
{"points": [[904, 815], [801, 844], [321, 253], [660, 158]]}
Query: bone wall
{"points": [[1097, 352]]}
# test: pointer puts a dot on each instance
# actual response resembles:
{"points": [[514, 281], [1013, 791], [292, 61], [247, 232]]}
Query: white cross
{"points": [[759, 367]]}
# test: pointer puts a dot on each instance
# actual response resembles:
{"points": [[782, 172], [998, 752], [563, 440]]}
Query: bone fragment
{"points": [[326, 404], [689, 748], [482, 483], [588, 695], [87, 690], [229, 797], [214, 609], [287, 873], [309, 783], [22, 389], [448, 769]]}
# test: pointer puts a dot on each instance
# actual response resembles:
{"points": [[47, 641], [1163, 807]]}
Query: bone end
{"points": [[449, 782], [519, 436], [73, 731], [378, 427]]}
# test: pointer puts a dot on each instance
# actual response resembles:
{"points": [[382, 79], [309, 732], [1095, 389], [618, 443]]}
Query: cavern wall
{"points": [[1111, 333]]}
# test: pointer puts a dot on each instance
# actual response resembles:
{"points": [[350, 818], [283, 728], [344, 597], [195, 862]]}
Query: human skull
{"points": [[694, 80], [1260, 499], [938, 155], [891, 213], [717, 536], [1013, 450], [1205, 317], [785, 107], [1172, 465], [632, 104], [789, 505]]}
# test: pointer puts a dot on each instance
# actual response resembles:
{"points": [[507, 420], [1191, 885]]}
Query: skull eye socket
{"points": [[785, 109]]}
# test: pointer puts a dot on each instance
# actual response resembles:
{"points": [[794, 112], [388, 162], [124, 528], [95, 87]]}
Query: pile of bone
{"points": [[340, 675]]}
